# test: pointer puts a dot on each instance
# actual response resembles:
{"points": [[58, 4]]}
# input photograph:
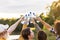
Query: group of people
{"points": [[27, 33]]}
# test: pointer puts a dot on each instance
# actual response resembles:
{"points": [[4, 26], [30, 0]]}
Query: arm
{"points": [[24, 25], [44, 23], [36, 25], [13, 27], [37, 28]]}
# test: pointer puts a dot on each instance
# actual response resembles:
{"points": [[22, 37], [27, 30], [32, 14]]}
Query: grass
{"points": [[50, 36]]}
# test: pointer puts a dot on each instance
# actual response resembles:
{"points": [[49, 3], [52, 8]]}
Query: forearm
{"points": [[37, 26], [45, 24], [13, 27], [25, 25]]}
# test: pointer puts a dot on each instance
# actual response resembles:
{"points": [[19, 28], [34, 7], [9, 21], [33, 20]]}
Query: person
{"points": [[55, 30], [41, 34], [5, 30], [24, 26], [26, 33]]}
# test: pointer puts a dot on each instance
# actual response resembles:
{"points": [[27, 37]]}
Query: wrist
{"points": [[20, 20], [34, 23], [40, 20]]}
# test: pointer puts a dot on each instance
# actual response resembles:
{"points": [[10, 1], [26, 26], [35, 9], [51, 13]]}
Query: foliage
{"points": [[55, 10]]}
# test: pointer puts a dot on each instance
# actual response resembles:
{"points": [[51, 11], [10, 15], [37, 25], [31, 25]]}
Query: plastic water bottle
{"points": [[25, 17], [31, 16], [34, 15], [30, 12], [28, 17]]}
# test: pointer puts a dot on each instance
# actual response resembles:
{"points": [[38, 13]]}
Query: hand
{"points": [[38, 19], [33, 21], [21, 18]]}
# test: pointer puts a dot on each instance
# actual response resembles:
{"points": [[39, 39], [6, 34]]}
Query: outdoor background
{"points": [[11, 11]]}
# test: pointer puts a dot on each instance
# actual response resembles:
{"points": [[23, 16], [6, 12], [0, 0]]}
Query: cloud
{"points": [[22, 6]]}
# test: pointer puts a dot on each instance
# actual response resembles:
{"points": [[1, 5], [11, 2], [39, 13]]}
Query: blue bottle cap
{"points": [[26, 15], [30, 12], [34, 14]]}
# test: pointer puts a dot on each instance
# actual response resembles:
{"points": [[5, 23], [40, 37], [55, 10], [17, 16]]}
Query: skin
{"points": [[44, 23], [31, 36], [11, 29]]}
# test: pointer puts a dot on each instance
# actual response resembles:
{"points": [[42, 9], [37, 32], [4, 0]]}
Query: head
{"points": [[42, 35], [3, 29], [3, 33], [27, 34], [57, 27]]}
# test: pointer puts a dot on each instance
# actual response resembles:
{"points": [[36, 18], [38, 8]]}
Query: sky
{"points": [[14, 8]]}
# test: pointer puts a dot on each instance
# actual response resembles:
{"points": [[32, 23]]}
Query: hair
{"points": [[42, 35], [4, 32], [25, 33], [57, 27]]}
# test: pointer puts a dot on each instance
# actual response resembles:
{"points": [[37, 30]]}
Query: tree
{"points": [[55, 10]]}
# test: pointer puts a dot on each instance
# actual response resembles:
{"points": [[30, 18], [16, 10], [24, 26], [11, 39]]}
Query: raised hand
{"points": [[38, 19], [21, 18], [33, 21]]}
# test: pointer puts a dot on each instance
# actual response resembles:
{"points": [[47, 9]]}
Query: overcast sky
{"points": [[23, 6], [16, 6]]}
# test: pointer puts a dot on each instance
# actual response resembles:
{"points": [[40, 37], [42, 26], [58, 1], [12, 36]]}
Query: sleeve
{"points": [[24, 26], [21, 38], [37, 27]]}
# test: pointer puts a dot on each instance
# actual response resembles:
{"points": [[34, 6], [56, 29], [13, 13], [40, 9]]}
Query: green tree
{"points": [[55, 10]]}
